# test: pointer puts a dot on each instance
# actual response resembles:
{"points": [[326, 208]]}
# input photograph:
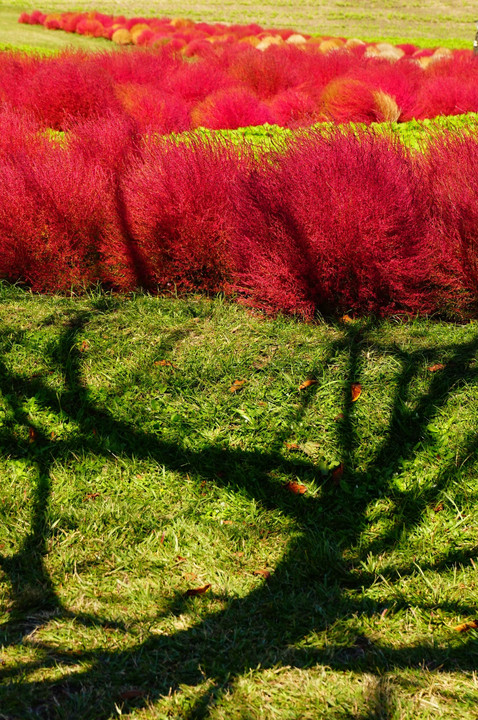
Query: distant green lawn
{"points": [[338, 537]]}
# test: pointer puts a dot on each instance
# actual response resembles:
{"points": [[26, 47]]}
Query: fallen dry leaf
{"points": [[85, 345], [292, 446], [436, 367], [337, 473], [263, 573], [464, 627], [198, 591], [91, 496], [438, 507], [346, 319], [307, 383], [180, 559], [32, 434], [164, 363], [356, 390], [227, 522], [131, 694], [236, 385], [296, 488]]}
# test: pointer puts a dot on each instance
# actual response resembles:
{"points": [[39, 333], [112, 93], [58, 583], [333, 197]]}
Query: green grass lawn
{"points": [[338, 537]]}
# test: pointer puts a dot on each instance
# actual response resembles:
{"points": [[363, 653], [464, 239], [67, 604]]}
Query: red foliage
{"points": [[453, 184], [51, 215], [294, 108], [232, 108], [339, 224], [64, 86], [154, 110], [180, 216], [349, 100]]}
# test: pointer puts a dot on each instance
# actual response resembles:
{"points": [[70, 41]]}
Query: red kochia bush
{"points": [[51, 218], [69, 85], [180, 214], [452, 178], [339, 224], [232, 108]]}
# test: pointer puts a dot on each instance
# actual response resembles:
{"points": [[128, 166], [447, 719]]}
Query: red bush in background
{"points": [[233, 108], [339, 223], [51, 216], [453, 184], [69, 85], [181, 215]]}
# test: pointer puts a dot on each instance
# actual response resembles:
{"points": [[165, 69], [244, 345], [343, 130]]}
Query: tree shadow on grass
{"points": [[312, 587]]}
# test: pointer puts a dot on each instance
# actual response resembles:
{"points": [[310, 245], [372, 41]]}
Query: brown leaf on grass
{"points": [[227, 522], [32, 434], [292, 446], [346, 319], [236, 385], [296, 488], [180, 559], [435, 368], [307, 383], [85, 345], [264, 573], [164, 363], [132, 694], [91, 496], [337, 473], [464, 627], [356, 391], [197, 591], [339, 417], [438, 507]]}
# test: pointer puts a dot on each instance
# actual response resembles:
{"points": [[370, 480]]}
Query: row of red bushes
{"points": [[150, 31], [334, 224], [235, 86], [191, 38]]}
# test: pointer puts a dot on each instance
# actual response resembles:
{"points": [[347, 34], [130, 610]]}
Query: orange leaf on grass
{"points": [[307, 383], [91, 496], [164, 363], [265, 573], [356, 390], [436, 367], [464, 627], [346, 319], [85, 345], [296, 488], [32, 434], [236, 385], [292, 446], [198, 591]]}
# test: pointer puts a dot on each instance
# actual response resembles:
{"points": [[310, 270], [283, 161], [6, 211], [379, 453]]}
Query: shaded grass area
{"points": [[132, 474]]}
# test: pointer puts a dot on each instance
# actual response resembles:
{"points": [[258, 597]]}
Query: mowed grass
{"points": [[172, 548], [426, 23]]}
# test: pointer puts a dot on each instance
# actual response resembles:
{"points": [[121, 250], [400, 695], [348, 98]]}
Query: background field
{"points": [[430, 21]]}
